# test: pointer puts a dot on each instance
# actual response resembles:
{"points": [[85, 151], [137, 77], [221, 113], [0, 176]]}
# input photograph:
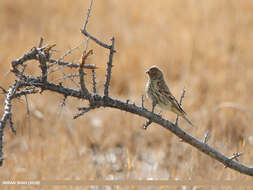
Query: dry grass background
{"points": [[204, 46]]}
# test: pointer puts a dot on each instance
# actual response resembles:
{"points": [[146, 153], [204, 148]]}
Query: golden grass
{"points": [[204, 46]]}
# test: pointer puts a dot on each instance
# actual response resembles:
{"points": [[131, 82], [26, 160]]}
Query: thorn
{"points": [[206, 137], [146, 124], [4, 91], [41, 42], [234, 157], [142, 101], [84, 57]]}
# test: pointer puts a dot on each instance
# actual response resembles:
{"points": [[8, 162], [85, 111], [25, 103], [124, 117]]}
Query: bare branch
{"points": [[142, 101], [70, 51], [28, 116], [66, 76], [88, 15], [41, 42], [72, 65], [11, 125], [43, 65], [109, 69], [84, 30], [59, 68], [63, 103], [84, 110], [36, 54], [28, 56], [70, 76], [24, 92], [7, 116], [7, 109], [206, 137], [94, 81], [96, 40], [146, 124], [4, 91], [84, 90], [53, 87]]}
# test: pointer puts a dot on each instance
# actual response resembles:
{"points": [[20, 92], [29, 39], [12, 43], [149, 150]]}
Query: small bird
{"points": [[158, 92]]}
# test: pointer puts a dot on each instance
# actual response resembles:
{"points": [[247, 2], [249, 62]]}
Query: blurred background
{"points": [[202, 46]]}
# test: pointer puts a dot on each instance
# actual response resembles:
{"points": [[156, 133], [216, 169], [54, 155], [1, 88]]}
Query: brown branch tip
{"points": [[85, 56]]}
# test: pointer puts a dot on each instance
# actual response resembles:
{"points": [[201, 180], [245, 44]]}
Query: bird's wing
{"points": [[176, 104], [164, 90], [163, 87]]}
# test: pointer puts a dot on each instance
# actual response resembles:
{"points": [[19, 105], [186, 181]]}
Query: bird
{"points": [[159, 93]]}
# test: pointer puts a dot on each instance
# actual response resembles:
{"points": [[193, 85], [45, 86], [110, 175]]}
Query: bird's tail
{"points": [[188, 121]]}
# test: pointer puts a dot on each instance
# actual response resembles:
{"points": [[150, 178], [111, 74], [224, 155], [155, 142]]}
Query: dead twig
{"points": [[63, 103], [84, 90], [146, 124], [4, 91], [84, 30], [94, 81], [28, 117], [84, 110], [206, 137], [109, 69], [142, 101], [41, 42], [7, 116], [72, 65]]}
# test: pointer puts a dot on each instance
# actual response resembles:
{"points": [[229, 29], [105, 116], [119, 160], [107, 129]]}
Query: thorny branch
{"points": [[109, 69], [41, 42], [84, 90], [71, 65], [84, 31], [43, 65], [94, 83], [26, 84], [7, 116], [235, 157]]}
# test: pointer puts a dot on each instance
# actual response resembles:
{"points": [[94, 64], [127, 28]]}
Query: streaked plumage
{"points": [[160, 95]]}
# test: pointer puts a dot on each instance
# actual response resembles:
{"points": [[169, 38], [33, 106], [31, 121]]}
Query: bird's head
{"points": [[154, 73]]}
